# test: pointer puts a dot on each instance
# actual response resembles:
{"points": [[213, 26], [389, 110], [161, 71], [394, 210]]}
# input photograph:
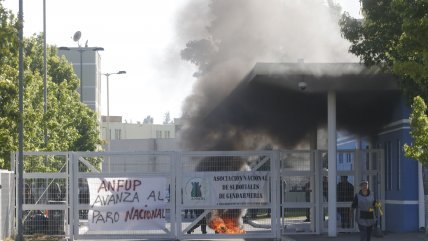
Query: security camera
{"points": [[302, 85]]}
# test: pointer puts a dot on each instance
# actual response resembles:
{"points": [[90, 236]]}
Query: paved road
{"points": [[355, 237], [416, 236], [345, 237], [340, 237]]}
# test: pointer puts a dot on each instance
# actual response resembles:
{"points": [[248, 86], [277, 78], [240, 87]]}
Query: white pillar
{"points": [[421, 197], [313, 167], [108, 126], [331, 128]]}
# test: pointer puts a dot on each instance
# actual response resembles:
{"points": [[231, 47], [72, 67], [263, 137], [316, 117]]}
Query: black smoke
{"points": [[225, 112], [263, 113]]}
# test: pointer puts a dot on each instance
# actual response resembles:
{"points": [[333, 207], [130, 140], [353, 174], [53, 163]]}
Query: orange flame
{"points": [[225, 225]]}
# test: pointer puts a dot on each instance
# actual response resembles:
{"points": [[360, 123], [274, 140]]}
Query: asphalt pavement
{"points": [[415, 236]]}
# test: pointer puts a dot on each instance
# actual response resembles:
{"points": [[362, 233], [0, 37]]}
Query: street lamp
{"points": [[20, 181], [45, 72], [108, 108], [81, 50]]}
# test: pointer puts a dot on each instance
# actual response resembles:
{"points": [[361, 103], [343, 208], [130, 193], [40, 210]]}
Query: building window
{"points": [[117, 134], [398, 164], [167, 135], [158, 134], [388, 165], [341, 158]]}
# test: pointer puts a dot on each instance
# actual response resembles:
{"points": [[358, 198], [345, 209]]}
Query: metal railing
{"points": [[186, 195]]}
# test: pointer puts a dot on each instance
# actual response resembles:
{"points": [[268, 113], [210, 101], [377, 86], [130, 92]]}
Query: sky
{"points": [[142, 37]]}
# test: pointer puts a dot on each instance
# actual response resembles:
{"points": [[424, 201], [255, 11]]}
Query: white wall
{"points": [[145, 145], [133, 163], [138, 130]]}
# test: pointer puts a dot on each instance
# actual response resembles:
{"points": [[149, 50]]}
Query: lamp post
{"points": [[81, 50], [45, 73], [108, 108], [108, 134], [20, 187]]}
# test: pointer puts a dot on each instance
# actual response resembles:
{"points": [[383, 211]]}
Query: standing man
{"points": [[345, 193], [202, 222], [325, 194], [308, 190]]}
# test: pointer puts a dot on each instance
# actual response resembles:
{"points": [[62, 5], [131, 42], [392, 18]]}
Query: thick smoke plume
{"points": [[226, 39]]}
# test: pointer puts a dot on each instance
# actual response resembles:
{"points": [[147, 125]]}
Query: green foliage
{"points": [[9, 41], [412, 47], [45, 163], [393, 35], [374, 38], [419, 131], [70, 125]]}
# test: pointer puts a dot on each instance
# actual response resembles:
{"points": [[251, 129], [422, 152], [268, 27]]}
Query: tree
{"points": [[148, 120], [199, 53], [419, 132], [167, 119], [71, 125], [393, 34], [419, 148], [412, 48]]}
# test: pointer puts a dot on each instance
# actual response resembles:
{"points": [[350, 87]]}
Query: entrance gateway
{"points": [[170, 195]]}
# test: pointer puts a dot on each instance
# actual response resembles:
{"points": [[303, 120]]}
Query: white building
{"points": [[138, 136]]}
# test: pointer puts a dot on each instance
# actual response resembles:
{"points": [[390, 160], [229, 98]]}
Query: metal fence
{"points": [[233, 193], [186, 195], [46, 196], [124, 195], [304, 188]]}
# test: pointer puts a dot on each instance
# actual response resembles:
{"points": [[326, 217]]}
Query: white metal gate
{"points": [[100, 195], [234, 186], [117, 210], [304, 188], [46, 194]]}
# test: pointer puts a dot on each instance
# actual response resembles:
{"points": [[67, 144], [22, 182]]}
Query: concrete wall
{"points": [[133, 163], [169, 144]]}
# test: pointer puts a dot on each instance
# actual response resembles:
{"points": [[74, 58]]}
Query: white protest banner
{"points": [[226, 188], [127, 203]]}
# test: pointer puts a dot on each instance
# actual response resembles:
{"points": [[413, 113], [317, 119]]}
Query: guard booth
{"points": [[304, 188]]}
